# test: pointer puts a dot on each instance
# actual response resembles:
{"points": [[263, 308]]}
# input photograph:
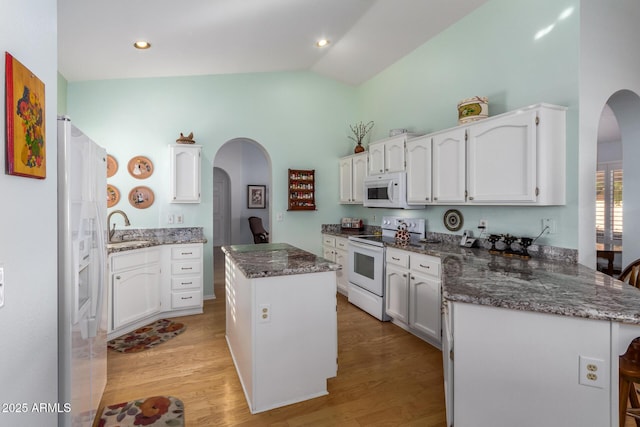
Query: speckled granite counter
{"points": [[550, 282], [475, 276], [136, 238], [276, 259]]}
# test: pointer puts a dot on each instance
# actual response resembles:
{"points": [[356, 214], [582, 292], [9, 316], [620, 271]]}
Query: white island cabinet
{"points": [[281, 323]]}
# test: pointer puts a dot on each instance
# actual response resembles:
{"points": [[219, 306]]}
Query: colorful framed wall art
{"points": [[25, 111]]}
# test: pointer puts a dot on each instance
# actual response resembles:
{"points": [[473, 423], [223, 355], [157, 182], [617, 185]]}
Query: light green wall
{"points": [[300, 118], [62, 95], [491, 52]]}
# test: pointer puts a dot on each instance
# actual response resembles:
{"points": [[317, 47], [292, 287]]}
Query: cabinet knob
{"points": [[404, 275], [117, 277], [435, 198], [470, 197]]}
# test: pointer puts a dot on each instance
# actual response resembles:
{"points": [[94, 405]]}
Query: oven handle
{"points": [[365, 246]]}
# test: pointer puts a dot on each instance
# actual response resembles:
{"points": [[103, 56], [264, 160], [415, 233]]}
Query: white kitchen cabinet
{"points": [[387, 155], [518, 158], [413, 296], [186, 276], [397, 292], [184, 173], [335, 249], [449, 166], [135, 286], [419, 170], [353, 170]]}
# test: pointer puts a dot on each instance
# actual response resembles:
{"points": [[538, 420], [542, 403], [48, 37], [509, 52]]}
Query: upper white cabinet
{"points": [[184, 163], [449, 170], [419, 170], [353, 170], [387, 155], [518, 158]]}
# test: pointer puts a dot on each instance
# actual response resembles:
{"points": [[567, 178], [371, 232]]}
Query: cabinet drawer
{"points": [[187, 282], [186, 267], [342, 243], [426, 264], [329, 241], [186, 299], [397, 257], [186, 252], [134, 258]]}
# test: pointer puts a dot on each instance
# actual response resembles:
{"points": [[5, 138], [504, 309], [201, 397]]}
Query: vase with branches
{"points": [[359, 130]]}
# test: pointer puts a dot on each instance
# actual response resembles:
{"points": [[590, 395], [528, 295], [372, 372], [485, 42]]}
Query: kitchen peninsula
{"points": [[281, 323]]}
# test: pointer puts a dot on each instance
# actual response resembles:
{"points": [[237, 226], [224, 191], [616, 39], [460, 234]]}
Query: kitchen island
{"points": [[281, 323]]}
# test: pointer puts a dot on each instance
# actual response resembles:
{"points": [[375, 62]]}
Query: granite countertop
{"points": [[138, 238], [547, 286], [550, 282], [276, 259]]}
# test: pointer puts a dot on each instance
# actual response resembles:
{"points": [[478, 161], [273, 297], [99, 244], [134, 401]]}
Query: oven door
{"points": [[366, 267]]}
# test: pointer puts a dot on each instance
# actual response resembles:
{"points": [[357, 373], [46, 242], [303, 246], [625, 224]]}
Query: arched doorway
{"points": [[625, 107], [221, 207], [245, 162]]}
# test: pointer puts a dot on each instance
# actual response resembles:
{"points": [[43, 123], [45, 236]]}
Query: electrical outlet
{"points": [[179, 218], [593, 372], [1, 285], [264, 313], [170, 219], [280, 216], [483, 225], [549, 226]]}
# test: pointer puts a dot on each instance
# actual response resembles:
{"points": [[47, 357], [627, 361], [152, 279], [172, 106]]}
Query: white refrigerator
{"points": [[82, 275]]}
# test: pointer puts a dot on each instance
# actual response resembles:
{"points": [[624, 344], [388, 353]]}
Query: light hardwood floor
{"points": [[386, 376]]}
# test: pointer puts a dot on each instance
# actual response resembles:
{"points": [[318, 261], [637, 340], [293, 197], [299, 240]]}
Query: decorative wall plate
{"points": [[453, 220], [140, 167], [141, 197], [113, 196], [112, 166]]}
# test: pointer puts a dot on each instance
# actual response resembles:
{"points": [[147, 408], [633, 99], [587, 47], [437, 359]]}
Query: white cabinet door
{"points": [[397, 293], [136, 294], [419, 170], [342, 279], [376, 159], [359, 172], [501, 160], [394, 155], [449, 183], [346, 180], [353, 170], [424, 310], [184, 173]]}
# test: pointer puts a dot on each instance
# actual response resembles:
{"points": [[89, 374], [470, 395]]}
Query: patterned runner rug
{"points": [[146, 337], [156, 411]]}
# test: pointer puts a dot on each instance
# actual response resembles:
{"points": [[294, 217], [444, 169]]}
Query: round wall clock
{"points": [[453, 220], [113, 196], [140, 167], [141, 197], [112, 166]]}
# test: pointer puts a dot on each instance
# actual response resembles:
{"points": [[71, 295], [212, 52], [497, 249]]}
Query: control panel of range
{"points": [[414, 225]]}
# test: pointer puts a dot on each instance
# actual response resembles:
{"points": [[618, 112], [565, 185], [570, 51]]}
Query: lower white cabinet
{"points": [[413, 296], [186, 276], [335, 249], [152, 283], [135, 280]]}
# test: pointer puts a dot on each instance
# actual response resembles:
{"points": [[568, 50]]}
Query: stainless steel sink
{"points": [[128, 244]]}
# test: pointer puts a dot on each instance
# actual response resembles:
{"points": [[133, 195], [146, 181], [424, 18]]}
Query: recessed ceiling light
{"points": [[141, 44], [322, 43]]}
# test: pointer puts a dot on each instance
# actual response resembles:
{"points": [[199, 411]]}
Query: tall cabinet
{"points": [[184, 173], [353, 170]]}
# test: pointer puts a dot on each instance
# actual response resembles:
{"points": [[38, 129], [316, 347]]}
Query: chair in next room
{"points": [[260, 235]]}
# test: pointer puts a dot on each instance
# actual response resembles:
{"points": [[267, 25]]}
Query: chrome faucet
{"points": [[113, 230]]}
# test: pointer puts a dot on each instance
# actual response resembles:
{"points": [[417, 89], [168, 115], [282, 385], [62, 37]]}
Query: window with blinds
{"points": [[609, 203]]}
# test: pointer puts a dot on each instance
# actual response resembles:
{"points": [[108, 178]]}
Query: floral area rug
{"points": [[153, 411], [146, 337]]}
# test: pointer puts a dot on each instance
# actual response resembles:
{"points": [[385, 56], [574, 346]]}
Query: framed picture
{"points": [[256, 196], [25, 110]]}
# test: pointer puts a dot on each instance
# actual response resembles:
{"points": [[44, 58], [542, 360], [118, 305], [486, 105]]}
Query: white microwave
{"points": [[387, 191]]}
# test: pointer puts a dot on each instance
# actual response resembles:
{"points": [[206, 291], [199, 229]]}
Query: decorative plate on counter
{"points": [[140, 167], [453, 220], [113, 196], [112, 166], [141, 197]]}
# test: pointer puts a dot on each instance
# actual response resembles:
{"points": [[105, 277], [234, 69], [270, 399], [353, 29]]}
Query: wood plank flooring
{"points": [[386, 376]]}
